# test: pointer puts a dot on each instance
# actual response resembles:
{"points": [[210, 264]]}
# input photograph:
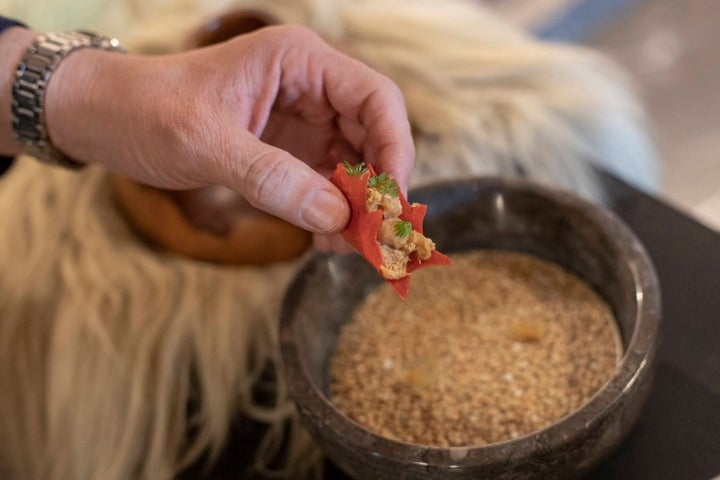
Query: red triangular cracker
{"points": [[363, 228]]}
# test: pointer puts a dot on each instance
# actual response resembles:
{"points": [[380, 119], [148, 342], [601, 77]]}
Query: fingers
{"points": [[315, 84], [367, 99], [341, 151], [274, 181], [353, 132], [312, 70]]}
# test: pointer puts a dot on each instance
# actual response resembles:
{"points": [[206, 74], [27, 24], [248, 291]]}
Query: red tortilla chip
{"points": [[363, 228]]}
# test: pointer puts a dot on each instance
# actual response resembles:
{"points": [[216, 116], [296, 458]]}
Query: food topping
{"points": [[396, 237], [384, 227]]}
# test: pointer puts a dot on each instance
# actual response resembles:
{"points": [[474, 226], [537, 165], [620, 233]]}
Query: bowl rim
{"points": [[637, 357]]}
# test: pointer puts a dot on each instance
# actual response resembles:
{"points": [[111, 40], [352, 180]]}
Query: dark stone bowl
{"points": [[472, 214]]}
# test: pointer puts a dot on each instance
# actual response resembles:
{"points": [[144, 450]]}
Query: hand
{"points": [[268, 114]]}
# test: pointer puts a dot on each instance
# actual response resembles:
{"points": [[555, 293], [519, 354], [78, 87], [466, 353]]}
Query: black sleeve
{"points": [[6, 162]]}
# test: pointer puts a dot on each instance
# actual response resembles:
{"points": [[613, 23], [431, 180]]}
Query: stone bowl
{"points": [[470, 214]]}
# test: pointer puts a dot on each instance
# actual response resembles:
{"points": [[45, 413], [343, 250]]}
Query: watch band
{"points": [[28, 94]]}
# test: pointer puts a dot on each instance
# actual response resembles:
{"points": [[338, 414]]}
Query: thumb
{"points": [[276, 182]]}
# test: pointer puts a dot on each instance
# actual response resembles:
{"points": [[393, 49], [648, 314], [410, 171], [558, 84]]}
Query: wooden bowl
{"points": [[212, 224]]}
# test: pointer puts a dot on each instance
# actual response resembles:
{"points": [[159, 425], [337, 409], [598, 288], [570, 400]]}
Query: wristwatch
{"points": [[28, 94]]}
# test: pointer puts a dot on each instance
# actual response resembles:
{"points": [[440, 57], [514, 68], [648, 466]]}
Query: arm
{"points": [[13, 43], [267, 114]]}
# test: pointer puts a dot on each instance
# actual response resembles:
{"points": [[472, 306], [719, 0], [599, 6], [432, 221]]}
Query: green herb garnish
{"points": [[355, 170], [385, 184], [403, 228]]}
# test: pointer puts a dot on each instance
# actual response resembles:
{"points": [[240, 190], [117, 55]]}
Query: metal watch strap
{"points": [[28, 94]]}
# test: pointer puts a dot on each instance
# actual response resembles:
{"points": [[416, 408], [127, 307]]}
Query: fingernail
{"points": [[322, 210]]}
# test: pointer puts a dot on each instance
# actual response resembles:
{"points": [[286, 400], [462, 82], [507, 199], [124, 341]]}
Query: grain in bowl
{"points": [[496, 346]]}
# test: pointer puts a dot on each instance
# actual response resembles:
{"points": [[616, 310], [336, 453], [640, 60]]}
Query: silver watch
{"points": [[28, 94]]}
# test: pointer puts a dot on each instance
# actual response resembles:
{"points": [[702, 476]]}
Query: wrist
{"points": [[118, 111], [98, 106], [73, 100], [34, 74], [13, 44]]}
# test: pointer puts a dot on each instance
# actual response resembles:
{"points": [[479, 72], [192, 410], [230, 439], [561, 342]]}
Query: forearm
{"points": [[13, 43]]}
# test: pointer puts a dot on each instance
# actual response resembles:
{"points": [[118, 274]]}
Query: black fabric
{"points": [[9, 22], [5, 164]]}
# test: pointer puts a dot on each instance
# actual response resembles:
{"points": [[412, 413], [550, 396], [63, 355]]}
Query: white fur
{"points": [[484, 97]]}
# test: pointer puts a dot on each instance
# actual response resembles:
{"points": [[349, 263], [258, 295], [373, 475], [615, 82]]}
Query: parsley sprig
{"points": [[385, 184], [403, 228], [355, 170]]}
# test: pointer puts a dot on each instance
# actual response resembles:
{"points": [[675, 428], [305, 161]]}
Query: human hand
{"points": [[268, 114]]}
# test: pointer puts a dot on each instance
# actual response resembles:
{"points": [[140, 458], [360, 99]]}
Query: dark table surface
{"points": [[678, 433]]}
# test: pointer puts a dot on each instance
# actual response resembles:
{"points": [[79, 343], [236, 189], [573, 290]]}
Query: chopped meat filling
{"points": [[388, 236], [396, 237], [421, 244], [390, 205], [394, 262], [383, 227]]}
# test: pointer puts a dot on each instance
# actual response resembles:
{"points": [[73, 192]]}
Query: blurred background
{"points": [[671, 48]]}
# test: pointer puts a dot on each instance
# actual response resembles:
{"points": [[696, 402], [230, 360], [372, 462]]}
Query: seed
{"points": [[527, 330], [524, 345]]}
